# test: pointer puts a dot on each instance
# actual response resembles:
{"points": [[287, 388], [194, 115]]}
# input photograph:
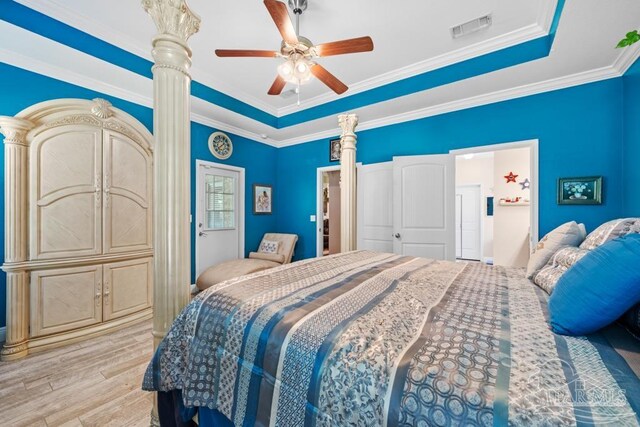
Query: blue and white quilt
{"points": [[373, 339]]}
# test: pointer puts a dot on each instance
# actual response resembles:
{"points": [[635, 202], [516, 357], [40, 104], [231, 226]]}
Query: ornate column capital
{"points": [[15, 129], [173, 18], [348, 123]]}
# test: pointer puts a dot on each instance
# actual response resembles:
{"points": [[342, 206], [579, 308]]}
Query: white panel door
{"points": [[127, 195], [468, 227], [423, 206], [65, 185], [218, 216], [375, 207]]}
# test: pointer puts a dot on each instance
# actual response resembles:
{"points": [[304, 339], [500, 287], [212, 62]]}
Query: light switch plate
{"points": [[312, 218]]}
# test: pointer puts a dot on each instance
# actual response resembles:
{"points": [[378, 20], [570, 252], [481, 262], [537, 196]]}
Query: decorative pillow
{"points": [[609, 231], [558, 265], [598, 289], [569, 234], [269, 247], [279, 258]]}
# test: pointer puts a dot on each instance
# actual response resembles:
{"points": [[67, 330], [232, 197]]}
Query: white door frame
{"points": [[532, 144], [241, 195], [480, 221], [319, 210]]}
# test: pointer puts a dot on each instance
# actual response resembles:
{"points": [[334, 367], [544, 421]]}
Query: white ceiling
{"points": [[404, 34], [583, 52]]}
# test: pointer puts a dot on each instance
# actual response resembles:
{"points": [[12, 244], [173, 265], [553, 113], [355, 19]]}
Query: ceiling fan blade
{"points": [[236, 53], [361, 44], [277, 86], [280, 15], [329, 79]]}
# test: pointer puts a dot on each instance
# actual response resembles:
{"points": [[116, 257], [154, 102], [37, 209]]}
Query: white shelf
{"points": [[503, 203]]}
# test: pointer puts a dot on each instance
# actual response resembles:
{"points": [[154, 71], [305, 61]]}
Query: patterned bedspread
{"points": [[375, 339]]}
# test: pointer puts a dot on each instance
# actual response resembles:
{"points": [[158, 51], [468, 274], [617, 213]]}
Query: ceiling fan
{"points": [[299, 53]]}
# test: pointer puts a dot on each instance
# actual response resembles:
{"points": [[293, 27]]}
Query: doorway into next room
{"points": [[330, 220], [494, 206]]}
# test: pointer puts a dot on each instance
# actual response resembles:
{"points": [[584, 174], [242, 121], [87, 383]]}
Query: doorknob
{"points": [[397, 235], [202, 234]]}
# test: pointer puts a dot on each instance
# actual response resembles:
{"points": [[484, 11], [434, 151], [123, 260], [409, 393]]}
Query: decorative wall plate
{"points": [[220, 145]]}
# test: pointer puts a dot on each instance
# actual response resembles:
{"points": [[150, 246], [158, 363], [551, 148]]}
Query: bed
{"points": [[375, 339]]}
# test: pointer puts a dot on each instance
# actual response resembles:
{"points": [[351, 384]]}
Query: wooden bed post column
{"points": [[172, 161], [16, 223], [348, 123]]}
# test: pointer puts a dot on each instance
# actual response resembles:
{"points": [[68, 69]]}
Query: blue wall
{"points": [[580, 134], [580, 130], [260, 162], [20, 89], [631, 165]]}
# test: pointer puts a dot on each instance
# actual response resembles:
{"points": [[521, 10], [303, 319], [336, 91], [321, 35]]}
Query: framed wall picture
{"points": [[580, 191], [334, 150], [262, 199]]}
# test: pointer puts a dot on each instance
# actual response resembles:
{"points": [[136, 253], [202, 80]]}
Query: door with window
{"points": [[219, 214]]}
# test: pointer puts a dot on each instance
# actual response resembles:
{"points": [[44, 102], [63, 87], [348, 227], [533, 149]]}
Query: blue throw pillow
{"points": [[598, 289]]}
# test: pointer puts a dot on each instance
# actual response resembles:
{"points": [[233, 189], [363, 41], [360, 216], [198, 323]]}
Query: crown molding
{"points": [[476, 101], [54, 9], [546, 13], [136, 91], [66, 75], [207, 79], [15, 58], [57, 10], [224, 127], [498, 96], [311, 137], [513, 38], [626, 59]]}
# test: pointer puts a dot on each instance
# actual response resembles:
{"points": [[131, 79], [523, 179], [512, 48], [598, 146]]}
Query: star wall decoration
{"points": [[511, 177], [526, 184]]}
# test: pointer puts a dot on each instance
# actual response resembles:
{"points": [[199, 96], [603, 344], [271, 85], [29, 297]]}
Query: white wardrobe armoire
{"points": [[78, 223]]}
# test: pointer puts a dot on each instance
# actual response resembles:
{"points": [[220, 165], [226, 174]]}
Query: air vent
{"points": [[471, 26], [288, 94]]}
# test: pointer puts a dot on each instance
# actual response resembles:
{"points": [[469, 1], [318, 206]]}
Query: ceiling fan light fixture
{"points": [[299, 52], [302, 71], [286, 70]]}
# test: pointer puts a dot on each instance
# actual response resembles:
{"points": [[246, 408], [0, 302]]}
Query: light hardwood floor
{"points": [[91, 383]]}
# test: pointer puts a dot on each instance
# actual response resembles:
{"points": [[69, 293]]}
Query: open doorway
{"points": [[328, 211], [496, 203]]}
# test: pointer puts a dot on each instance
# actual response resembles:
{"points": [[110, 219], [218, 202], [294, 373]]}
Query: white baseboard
{"points": [[3, 334]]}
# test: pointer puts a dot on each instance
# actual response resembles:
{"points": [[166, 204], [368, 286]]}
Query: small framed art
{"points": [[580, 191], [334, 150], [262, 199]]}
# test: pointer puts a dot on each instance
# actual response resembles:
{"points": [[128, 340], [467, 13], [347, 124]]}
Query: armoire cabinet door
{"points": [[65, 187], [127, 287], [65, 299], [127, 195]]}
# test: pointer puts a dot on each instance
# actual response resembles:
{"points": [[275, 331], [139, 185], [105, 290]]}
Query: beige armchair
{"points": [[257, 261]]}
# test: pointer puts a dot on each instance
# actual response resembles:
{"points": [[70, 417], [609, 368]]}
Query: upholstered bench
{"points": [[274, 250]]}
